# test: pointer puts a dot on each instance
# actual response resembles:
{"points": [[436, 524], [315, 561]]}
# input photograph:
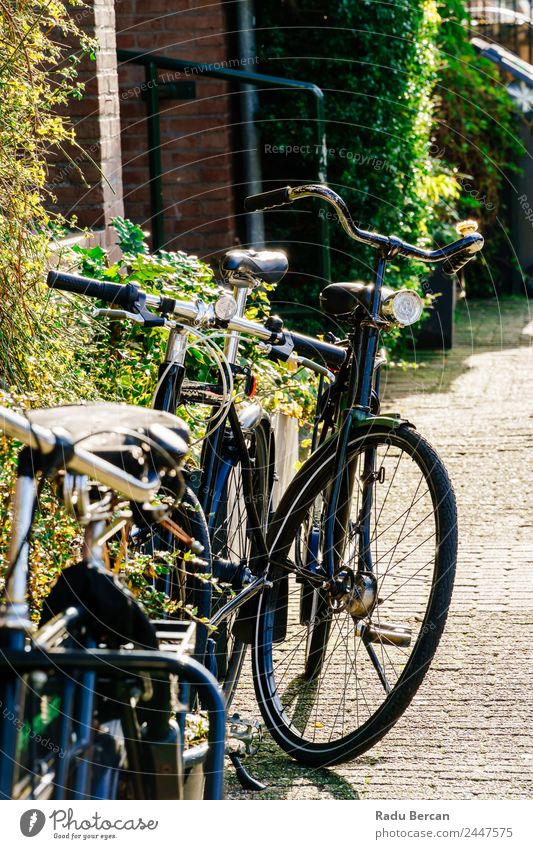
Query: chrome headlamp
{"points": [[403, 307]]}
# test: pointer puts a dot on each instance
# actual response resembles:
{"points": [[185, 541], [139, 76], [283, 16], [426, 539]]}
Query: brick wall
{"points": [[196, 135], [88, 181]]}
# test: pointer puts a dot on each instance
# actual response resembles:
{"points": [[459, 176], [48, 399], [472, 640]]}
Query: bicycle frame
{"points": [[353, 402], [216, 463], [350, 405]]}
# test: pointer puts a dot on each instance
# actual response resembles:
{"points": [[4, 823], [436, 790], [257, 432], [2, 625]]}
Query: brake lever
{"points": [[122, 315], [304, 362]]}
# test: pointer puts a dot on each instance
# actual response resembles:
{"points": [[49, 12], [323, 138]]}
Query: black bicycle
{"points": [[353, 581]]}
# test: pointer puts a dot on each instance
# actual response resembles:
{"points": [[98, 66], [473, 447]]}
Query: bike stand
{"points": [[247, 781]]}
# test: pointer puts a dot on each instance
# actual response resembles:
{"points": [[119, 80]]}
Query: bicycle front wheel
{"points": [[336, 664]]}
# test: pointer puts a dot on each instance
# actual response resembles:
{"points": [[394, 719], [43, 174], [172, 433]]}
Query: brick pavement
{"points": [[467, 733]]}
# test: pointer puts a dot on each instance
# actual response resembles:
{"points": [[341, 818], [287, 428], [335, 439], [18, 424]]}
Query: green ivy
{"points": [[476, 135], [411, 113], [377, 65]]}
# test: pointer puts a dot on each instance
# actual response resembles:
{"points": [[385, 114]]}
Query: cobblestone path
{"points": [[469, 731]]}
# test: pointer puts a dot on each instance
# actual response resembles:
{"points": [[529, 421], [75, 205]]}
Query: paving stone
{"points": [[467, 733]]}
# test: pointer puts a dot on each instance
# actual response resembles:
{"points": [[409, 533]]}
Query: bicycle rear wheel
{"points": [[350, 662], [185, 581]]}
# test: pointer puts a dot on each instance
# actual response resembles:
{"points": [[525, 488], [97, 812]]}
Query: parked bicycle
{"points": [[352, 582], [92, 699]]}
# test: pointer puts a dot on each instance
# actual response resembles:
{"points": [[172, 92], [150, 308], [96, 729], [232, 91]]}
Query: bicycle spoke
{"points": [[329, 680]]}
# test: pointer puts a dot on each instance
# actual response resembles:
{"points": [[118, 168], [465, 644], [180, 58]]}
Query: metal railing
{"points": [[152, 63]]}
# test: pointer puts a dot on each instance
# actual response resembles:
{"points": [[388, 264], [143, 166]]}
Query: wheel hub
{"points": [[356, 593]]}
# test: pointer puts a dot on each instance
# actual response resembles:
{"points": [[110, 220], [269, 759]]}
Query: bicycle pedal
{"points": [[248, 733], [388, 635]]}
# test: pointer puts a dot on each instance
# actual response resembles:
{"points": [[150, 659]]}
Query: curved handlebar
{"points": [[453, 256]]}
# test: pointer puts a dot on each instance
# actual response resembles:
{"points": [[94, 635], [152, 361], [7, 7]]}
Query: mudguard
{"points": [[386, 420]]}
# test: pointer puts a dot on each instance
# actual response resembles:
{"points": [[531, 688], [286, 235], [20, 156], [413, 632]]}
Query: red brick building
{"points": [[198, 136]]}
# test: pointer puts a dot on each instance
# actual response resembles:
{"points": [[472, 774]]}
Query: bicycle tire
{"points": [[231, 539], [300, 741]]}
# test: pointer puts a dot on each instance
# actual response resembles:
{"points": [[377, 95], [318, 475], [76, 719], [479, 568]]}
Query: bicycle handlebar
{"points": [[453, 256], [196, 312], [112, 293], [268, 200], [83, 462]]}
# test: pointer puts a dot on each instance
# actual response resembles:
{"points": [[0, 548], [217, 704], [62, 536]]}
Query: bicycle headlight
{"points": [[225, 307], [403, 307]]}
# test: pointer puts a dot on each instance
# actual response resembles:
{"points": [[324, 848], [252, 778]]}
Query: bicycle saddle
{"points": [[114, 613], [117, 433], [268, 266]]}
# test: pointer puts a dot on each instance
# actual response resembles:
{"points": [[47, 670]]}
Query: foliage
{"points": [[54, 533], [122, 359], [119, 361], [37, 77], [414, 120], [377, 64], [476, 134]]}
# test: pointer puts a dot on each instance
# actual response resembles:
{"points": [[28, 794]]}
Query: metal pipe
{"points": [[23, 505], [231, 342], [116, 663], [255, 225], [154, 157], [238, 600], [193, 69]]}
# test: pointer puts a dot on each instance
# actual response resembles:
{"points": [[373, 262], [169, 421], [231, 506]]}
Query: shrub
{"points": [[121, 360], [476, 135], [412, 115], [37, 76]]}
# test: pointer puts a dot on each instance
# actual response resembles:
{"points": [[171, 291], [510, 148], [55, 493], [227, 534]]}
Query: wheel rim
{"points": [[358, 671]]}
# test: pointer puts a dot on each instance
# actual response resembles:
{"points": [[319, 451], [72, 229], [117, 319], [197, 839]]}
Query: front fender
{"points": [[392, 421], [388, 420]]}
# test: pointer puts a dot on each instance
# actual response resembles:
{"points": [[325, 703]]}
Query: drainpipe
{"points": [[255, 227]]}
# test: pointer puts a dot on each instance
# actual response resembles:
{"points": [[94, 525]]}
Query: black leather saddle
{"points": [[251, 266], [124, 435]]}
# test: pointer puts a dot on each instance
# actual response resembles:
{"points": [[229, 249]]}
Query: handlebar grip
{"points": [[112, 293], [453, 265], [268, 200]]}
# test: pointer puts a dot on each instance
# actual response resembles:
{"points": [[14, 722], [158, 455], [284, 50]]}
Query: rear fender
{"points": [[251, 417]]}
